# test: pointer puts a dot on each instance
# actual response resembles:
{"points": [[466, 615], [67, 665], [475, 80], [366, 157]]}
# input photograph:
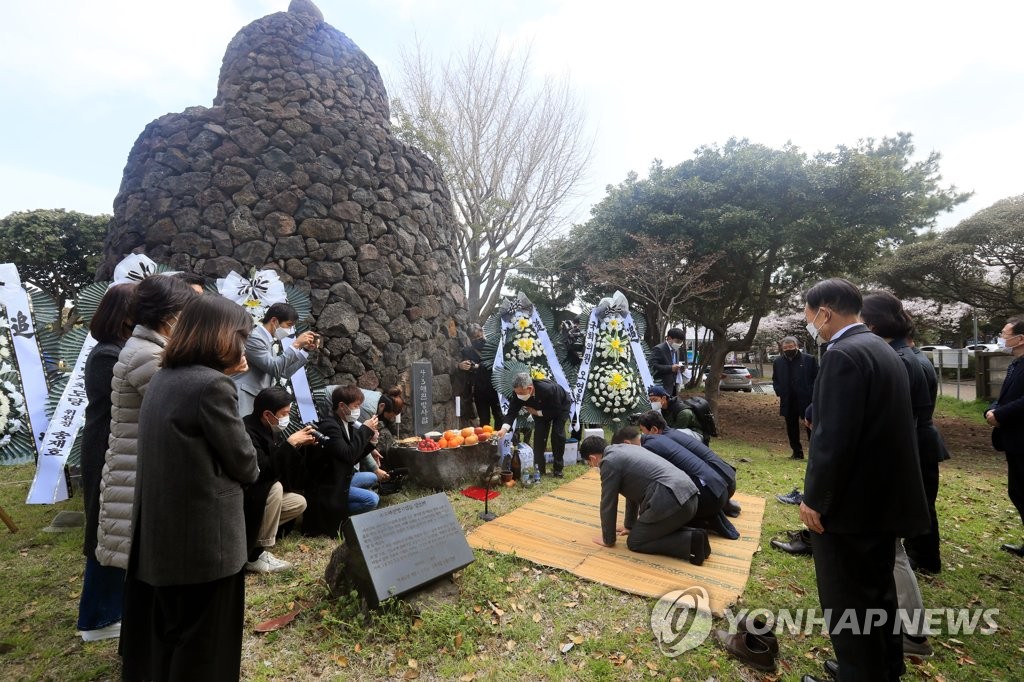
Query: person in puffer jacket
{"points": [[158, 301]]}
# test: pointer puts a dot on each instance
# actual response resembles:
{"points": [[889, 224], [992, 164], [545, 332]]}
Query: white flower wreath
{"points": [[12, 402], [613, 388]]}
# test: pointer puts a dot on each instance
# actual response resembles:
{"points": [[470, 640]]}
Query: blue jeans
{"points": [[102, 596], [360, 497]]}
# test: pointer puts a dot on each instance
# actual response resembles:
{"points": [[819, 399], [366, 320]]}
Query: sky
{"points": [[657, 79]]}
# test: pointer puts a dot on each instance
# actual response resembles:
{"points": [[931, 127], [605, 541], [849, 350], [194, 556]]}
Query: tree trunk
{"points": [[719, 349]]}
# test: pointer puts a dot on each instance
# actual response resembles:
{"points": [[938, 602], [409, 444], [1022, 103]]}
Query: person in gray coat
{"points": [[185, 594], [660, 499], [157, 303], [265, 366]]}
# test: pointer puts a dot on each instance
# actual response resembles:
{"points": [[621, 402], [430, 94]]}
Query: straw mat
{"points": [[557, 529]]}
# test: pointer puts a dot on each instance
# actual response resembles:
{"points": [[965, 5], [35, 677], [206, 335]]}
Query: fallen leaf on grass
{"points": [[567, 647], [468, 677], [576, 639], [458, 639], [569, 604], [358, 647], [411, 674], [536, 618], [304, 548], [510, 645], [341, 661], [413, 663]]}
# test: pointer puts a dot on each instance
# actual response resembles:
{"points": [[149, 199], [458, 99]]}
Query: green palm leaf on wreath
{"points": [[502, 378], [88, 300]]}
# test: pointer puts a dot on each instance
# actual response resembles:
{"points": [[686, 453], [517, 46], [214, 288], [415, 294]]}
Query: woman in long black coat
{"points": [[99, 609]]}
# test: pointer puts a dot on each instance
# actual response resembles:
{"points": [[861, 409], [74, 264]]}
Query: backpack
{"points": [[701, 408]]}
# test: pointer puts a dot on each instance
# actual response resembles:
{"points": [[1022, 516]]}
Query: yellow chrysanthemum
{"points": [[617, 381], [613, 323], [525, 345], [252, 303], [522, 323], [616, 344], [537, 374]]}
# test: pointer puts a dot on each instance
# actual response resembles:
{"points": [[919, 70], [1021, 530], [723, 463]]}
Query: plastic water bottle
{"points": [[527, 478], [536, 476]]}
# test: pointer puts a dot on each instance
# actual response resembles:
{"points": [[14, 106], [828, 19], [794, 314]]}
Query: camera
{"points": [[634, 418], [320, 437]]}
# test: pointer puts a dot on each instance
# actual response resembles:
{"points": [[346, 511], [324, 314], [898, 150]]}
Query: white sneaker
{"points": [[109, 632], [267, 563]]}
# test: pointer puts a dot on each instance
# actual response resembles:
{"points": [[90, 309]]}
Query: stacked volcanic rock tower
{"points": [[294, 168]]}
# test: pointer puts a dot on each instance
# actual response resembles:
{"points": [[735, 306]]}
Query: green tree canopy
{"points": [[979, 262], [56, 250], [776, 219]]}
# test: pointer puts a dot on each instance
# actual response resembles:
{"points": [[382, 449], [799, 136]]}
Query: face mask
{"points": [[790, 353], [281, 333], [812, 330], [675, 346], [1002, 345], [283, 423], [353, 415], [479, 344], [656, 406], [523, 396]]}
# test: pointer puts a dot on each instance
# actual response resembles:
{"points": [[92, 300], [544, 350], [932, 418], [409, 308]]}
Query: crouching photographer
{"points": [[269, 502]]}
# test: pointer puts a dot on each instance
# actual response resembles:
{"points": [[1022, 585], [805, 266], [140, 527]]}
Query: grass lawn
{"points": [[513, 619]]}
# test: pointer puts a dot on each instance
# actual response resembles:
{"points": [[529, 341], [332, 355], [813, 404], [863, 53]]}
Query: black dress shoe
{"points": [[751, 650], [797, 455], [832, 668], [558, 474], [732, 509], [1014, 549], [759, 627], [799, 545]]}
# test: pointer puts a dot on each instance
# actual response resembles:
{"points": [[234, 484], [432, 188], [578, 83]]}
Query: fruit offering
{"points": [[428, 445]]}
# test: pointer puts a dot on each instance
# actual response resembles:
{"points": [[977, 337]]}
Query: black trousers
{"points": [[923, 550], [542, 426], [854, 575], [181, 633], [793, 423], [1015, 480], [668, 536], [488, 409]]}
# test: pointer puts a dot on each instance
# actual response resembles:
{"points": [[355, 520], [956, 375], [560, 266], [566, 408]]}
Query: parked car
{"points": [[983, 347], [929, 350], [735, 378]]}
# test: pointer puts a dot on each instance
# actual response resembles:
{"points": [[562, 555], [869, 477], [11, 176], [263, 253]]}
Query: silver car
{"points": [[735, 378]]}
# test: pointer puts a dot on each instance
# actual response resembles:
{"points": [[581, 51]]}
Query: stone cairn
{"points": [[294, 168]]}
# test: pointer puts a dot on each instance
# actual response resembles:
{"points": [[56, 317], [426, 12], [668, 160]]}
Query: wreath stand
{"points": [[8, 521]]}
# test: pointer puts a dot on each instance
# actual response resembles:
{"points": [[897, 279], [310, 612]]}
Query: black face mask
{"points": [[479, 343], [790, 353]]}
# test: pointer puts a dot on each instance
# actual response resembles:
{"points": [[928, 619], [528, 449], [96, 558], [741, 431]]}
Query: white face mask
{"points": [[523, 396], [812, 330], [1001, 343], [675, 345], [656, 406], [282, 333], [283, 422], [353, 415]]}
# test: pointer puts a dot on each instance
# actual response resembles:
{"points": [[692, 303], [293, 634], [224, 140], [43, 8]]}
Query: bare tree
{"points": [[661, 279], [512, 151]]}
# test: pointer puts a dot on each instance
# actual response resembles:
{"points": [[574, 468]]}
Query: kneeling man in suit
{"points": [[660, 499]]}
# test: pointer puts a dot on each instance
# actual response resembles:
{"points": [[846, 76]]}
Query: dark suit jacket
{"points": [[661, 366], [548, 397], [707, 480], [804, 369], [329, 469], [1009, 409], [194, 457], [695, 445], [653, 488], [863, 474], [930, 438]]}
